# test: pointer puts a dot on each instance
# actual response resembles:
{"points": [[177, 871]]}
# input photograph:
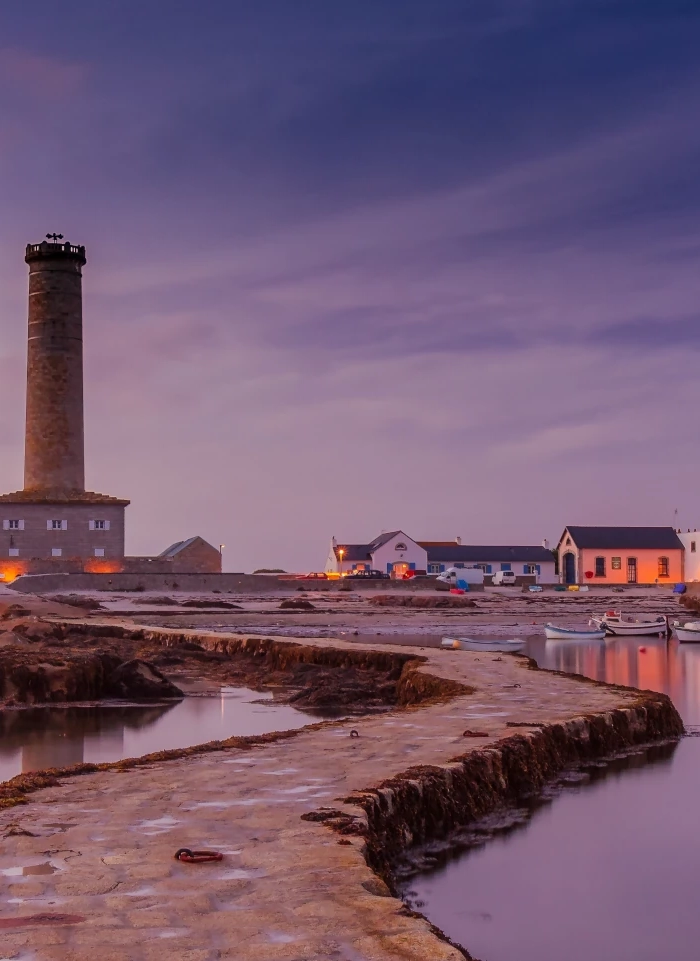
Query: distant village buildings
{"points": [[53, 524], [395, 553]]}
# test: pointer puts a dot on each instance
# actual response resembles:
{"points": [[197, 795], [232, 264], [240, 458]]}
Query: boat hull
{"points": [[564, 634], [620, 628]]}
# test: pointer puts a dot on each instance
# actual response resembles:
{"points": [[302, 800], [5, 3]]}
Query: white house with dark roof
{"points": [[392, 553], [395, 553], [523, 560]]}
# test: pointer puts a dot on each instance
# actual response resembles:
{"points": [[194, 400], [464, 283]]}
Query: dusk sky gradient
{"points": [[365, 266]]}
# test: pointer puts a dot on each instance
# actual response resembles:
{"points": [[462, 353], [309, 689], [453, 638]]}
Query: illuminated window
{"points": [[600, 567], [616, 563], [663, 567]]}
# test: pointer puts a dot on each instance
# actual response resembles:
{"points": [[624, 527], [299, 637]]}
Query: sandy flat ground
{"points": [[499, 611]]}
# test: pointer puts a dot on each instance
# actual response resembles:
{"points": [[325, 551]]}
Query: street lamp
{"points": [[221, 558], [341, 551]]}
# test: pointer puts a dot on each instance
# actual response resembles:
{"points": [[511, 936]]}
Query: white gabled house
{"points": [[392, 553]]}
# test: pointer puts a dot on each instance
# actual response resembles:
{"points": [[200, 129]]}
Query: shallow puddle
{"points": [[36, 738], [607, 870]]}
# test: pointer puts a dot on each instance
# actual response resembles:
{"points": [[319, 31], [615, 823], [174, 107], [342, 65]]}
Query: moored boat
{"points": [[554, 633], [615, 624], [483, 644], [688, 632]]}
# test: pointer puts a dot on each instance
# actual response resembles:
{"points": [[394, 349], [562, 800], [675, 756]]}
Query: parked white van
{"points": [[504, 578], [461, 577]]}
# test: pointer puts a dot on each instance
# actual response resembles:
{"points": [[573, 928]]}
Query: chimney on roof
{"points": [[545, 544], [458, 540]]}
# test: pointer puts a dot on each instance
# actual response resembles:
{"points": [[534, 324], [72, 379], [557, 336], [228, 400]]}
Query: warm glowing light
{"points": [[96, 565]]}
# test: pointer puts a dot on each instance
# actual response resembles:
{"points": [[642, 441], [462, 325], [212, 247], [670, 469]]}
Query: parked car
{"points": [[314, 575], [367, 575], [504, 578]]}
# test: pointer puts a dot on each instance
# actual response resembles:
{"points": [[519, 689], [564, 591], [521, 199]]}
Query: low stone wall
{"points": [[46, 583], [427, 803]]}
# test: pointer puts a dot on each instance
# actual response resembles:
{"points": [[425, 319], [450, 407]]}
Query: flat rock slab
{"points": [[287, 889]]}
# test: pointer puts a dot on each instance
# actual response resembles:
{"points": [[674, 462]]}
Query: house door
{"points": [[400, 568], [631, 570], [569, 568]]}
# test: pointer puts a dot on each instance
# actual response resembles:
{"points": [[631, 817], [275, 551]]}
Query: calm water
{"points": [[608, 870], [32, 739]]}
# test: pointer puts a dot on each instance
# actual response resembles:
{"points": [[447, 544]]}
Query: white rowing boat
{"points": [[616, 625], [688, 632], [482, 644], [554, 633]]}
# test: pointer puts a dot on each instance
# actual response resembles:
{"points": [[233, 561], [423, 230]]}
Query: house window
{"points": [[56, 552], [459, 565], [401, 546], [98, 525], [531, 568], [692, 547], [663, 567], [13, 525], [505, 567], [13, 552], [486, 568], [600, 567], [616, 563], [54, 525], [433, 568], [99, 552]]}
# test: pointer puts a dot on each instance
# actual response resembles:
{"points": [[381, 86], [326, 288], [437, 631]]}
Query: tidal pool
{"points": [[607, 870], [35, 738]]}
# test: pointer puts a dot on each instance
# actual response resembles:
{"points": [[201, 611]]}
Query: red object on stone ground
{"points": [[197, 857]]}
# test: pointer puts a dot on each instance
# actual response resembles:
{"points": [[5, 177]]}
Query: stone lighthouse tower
{"points": [[54, 457], [54, 523]]}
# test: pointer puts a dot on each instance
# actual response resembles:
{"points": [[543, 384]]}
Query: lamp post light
{"points": [[341, 551], [221, 558]]}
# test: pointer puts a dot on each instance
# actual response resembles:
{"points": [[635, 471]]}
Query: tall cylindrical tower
{"points": [[54, 457]]}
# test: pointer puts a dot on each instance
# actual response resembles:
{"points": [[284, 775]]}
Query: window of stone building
{"points": [[99, 552], [600, 567], [692, 547], [663, 567], [54, 525], [13, 552], [56, 552], [13, 525], [98, 525]]}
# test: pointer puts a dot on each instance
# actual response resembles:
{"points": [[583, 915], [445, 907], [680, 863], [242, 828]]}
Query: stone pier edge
{"points": [[422, 803]]}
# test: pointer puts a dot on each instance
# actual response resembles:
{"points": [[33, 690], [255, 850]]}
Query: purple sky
{"points": [[364, 266]]}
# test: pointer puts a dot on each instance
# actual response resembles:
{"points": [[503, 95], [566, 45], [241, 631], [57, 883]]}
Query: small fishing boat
{"points": [[688, 632], [554, 633], [616, 625], [482, 644]]}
